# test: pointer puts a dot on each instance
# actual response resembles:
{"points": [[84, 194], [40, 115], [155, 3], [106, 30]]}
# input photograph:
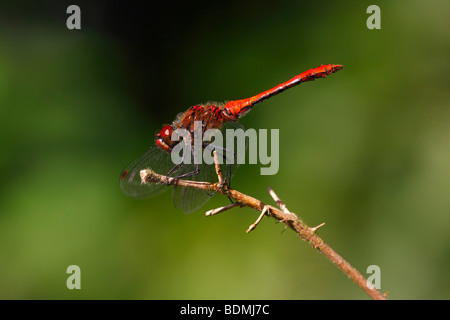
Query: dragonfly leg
{"points": [[192, 173], [229, 180], [218, 188], [226, 181], [175, 168], [189, 174], [228, 175]]}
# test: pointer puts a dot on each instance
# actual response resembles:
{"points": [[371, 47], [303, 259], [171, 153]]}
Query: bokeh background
{"points": [[366, 150]]}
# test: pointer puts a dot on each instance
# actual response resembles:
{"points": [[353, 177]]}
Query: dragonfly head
{"points": [[163, 139]]}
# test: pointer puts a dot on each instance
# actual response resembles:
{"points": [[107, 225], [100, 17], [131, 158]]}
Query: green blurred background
{"points": [[366, 150]]}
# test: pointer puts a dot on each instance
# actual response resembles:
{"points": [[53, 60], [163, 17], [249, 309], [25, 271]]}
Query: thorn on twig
{"points": [[253, 226], [285, 221], [285, 225], [313, 230]]}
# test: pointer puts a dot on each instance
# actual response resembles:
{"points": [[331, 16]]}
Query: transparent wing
{"points": [[190, 200], [233, 156], [187, 199], [130, 180]]}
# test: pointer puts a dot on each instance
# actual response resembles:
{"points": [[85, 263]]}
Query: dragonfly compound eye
{"points": [[166, 132], [163, 139]]}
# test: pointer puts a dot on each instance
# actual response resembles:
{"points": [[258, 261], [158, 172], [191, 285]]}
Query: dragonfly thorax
{"points": [[209, 116]]}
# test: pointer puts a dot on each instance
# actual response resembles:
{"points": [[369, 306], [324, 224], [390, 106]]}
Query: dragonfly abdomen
{"points": [[237, 108]]}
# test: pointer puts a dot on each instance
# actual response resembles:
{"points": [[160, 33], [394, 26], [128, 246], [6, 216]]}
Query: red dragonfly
{"points": [[212, 116]]}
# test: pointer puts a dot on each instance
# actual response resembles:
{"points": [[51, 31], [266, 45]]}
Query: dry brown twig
{"points": [[291, 220]]}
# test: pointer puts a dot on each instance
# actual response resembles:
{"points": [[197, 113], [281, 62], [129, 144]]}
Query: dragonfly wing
{"points": [[130, 179], [231, 155], [189, 199]]}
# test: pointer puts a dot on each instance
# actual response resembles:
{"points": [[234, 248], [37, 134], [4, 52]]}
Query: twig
{"points": [[221, 209], [217, 167], [289, 218], [278, 200], [282, 206], [263, 213]]}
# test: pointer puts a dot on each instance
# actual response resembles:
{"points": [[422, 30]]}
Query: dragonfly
{"points": [[220, 116]]}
